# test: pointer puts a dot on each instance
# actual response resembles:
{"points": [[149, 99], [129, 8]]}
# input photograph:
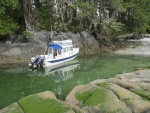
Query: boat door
{"points": [[55, 53], [55, 50], [50, 52]]}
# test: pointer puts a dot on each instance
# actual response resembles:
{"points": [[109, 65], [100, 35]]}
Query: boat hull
{"points": [[58, 61]]}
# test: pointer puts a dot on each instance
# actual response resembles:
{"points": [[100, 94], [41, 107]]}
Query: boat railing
{"points": [[63, 43]]}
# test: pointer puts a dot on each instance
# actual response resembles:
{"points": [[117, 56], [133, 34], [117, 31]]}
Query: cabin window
{"points": [[64, 50], [55, 52], [68, 49], [59, 52], [71, 48], [50, 51]]}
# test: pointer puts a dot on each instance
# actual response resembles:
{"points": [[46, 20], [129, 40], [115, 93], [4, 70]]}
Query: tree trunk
{"points": [[28, 14], [62, 11]]}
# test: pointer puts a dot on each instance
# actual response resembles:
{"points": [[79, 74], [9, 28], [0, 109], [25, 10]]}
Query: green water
{"points": [[18, 82]]}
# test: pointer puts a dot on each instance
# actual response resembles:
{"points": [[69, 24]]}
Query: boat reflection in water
{"points": [[59, 73], [63, 72]]}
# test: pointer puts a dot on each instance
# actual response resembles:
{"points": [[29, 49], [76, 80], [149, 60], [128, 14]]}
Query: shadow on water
{"points": [[18, 82]]}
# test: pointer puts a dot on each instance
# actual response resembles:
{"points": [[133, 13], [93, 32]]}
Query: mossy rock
{"points": [[104, 84], [138, 105], [71, 97], [124, 83], [133, 100], [43, 103], [87, 97], [122, 93], [143, 93], [13, 108], [102, 100]]}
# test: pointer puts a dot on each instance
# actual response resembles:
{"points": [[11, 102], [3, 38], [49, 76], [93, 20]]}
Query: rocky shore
{"points": [[18, 49], [141, 49], [124, 93]]}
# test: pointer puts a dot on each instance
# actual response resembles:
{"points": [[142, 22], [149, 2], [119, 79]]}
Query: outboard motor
{"points": [[37, 61], [41, 60], [32, 62]]}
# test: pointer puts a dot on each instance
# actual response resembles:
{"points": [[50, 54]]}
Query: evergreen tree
{"points": [[137, 14], [102, 17], [8, 25]]}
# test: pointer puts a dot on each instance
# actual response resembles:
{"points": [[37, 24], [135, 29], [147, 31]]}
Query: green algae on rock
{"points": [[45, 104], [98, 99]]}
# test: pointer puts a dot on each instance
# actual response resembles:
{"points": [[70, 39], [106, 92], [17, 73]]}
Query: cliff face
{"points": [[22, 49]]}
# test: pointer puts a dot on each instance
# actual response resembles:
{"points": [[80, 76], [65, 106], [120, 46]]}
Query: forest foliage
{"points": [[98, 17]]}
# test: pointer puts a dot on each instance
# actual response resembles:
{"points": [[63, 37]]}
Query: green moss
{"points": [[90, 99], [104, 85], [129, 103], [143, 93], [97, 97], [35, 104], [76, 111], [106, 110], [28, 34], [83, 96]]}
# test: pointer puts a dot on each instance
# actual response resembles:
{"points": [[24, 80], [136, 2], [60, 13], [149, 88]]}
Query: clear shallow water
{"points": [[18, 82]]}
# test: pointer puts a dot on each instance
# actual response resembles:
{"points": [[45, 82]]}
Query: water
{"points": [[18, 82]]}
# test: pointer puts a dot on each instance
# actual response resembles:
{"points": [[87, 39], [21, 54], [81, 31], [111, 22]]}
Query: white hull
{"points": [[48, 63]]}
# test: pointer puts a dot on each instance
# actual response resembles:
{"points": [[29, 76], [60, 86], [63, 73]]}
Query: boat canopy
{"points": [[55, 46]]}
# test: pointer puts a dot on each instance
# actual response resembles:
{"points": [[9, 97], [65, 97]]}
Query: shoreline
{"points": [[104, 49]]}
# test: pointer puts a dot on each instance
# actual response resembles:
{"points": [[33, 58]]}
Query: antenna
{"points": [[51, 35]]}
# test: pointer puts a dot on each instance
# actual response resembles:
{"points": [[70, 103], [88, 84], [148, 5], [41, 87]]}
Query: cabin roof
{"points": [[55, 46]]}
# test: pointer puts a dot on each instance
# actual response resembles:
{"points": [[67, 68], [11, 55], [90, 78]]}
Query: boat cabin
{"points": [[59, 49]]}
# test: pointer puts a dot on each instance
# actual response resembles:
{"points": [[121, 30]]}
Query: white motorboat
{"points": [[57, 52]]}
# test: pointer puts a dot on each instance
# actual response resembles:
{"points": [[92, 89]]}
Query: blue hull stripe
{"points": [[54, 61]]}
